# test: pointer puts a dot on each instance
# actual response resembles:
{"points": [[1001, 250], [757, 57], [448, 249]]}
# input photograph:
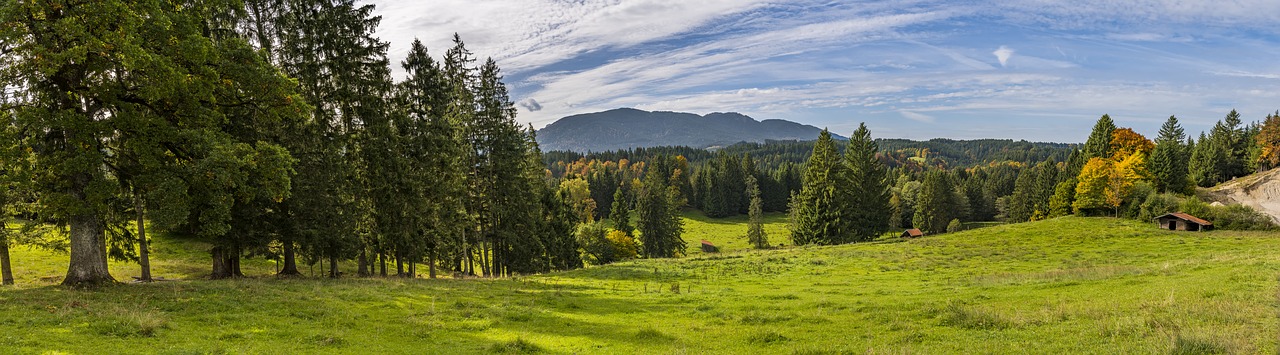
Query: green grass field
{"points": [[1073, 285]]}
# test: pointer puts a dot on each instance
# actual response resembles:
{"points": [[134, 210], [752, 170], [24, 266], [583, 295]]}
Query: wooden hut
{"points": [[1179, 221], [912, 233], [707, 247]]}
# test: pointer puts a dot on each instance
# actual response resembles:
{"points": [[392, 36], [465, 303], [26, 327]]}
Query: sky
{"points": [[1039, 70]]}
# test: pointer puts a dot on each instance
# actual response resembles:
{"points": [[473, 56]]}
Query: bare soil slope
{"points": [[1260, 191]]}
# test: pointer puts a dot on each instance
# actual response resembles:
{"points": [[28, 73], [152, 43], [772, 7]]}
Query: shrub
{"points": [[624, 244], [1157, 205], [954, 226], [601, 245], [1230, 217], [596, 247]]}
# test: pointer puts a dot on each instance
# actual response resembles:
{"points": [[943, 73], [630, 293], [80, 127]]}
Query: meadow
{"points": [[1074, 285]]}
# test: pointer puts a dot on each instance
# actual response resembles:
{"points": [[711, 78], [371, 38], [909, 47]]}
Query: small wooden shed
{"points": [[912, 233], [707, 247], [1179, 221]]}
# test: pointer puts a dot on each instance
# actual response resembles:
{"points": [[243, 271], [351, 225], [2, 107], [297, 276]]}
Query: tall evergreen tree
{"points": [[1206, 160], [621, 214], [1169, 159], [866, 206], [816, 210], [659, 214], [755, 224], [936, 203], [1099, 143]]}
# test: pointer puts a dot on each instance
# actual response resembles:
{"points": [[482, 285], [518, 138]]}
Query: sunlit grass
{"points": [[1067, 285]]}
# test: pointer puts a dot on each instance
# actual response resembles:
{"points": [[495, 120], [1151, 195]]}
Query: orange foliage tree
{"points": [[1125, 142], [1269, 141]]}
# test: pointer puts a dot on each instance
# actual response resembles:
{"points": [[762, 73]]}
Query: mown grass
{"points": [[1072, 285]]}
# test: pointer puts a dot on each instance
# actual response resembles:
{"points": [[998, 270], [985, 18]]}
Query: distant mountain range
{"points": [[631, 128]]}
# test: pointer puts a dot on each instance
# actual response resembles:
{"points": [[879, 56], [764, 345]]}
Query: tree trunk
{"points": [[5, 269], [399, 265], [290, 261], [484, 260], [144, 259], [382, 259], [333, 267], [431, 265], [234, 260], [221, 266], [362, 263], [88, 265], [471, 265]]}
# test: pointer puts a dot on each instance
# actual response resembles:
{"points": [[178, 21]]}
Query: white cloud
{"points": [[1002, 54], [916, 116]]}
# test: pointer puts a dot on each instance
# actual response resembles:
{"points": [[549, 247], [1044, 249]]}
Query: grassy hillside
{"points": [[1076, 285]]}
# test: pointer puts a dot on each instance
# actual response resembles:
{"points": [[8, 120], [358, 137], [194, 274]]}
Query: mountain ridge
{"points": [[627, 128]]}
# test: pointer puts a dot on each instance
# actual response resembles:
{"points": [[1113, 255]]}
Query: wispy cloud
{"points": [[891, 63]]}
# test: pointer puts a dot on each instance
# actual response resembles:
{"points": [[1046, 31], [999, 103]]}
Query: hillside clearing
{"points": [[1078, 285]]}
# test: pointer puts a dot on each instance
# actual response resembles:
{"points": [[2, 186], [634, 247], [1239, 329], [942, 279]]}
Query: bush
{"points": [[624, 245], [1230, 217], [954, 226], [1157, 205], [601, 245]]}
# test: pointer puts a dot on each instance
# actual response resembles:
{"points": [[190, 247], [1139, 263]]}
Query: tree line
{"points": [[274, 128]]}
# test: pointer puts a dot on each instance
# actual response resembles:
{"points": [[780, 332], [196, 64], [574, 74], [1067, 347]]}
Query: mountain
{"points": [[631, 128]]}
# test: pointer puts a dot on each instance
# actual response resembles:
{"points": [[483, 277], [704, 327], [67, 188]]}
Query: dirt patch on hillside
{"points": [[1260, 191]]}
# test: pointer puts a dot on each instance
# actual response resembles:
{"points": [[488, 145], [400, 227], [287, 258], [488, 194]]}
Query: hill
{"points": [[1260, 191], [627, 128], [1066, 285]]}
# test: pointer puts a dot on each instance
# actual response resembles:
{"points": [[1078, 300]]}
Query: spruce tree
{"points": [[866, 201], [1099, 143], [755, 225], [1207, 156], [621, 213], [936, 203], [816, 210], [659, 215], [1169, 160]]}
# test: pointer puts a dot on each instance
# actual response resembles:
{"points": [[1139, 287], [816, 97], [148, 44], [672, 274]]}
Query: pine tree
{"points": [[936, 203], [431, 168], [866, 201], [816, 210], [1099, 143], [755, 225], [1169, 159], [659, 215], [1209, 160], [1022, 203], [621, 214]]}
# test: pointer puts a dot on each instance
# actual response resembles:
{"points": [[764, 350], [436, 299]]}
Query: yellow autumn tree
{"points": [[1107, 184], [1091, 188], [578, 193]]}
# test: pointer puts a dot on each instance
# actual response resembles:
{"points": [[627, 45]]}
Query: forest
{"points": [[274, 129]]}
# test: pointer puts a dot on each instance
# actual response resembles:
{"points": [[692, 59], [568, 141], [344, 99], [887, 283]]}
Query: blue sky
{"points": [[1041, 70]]}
